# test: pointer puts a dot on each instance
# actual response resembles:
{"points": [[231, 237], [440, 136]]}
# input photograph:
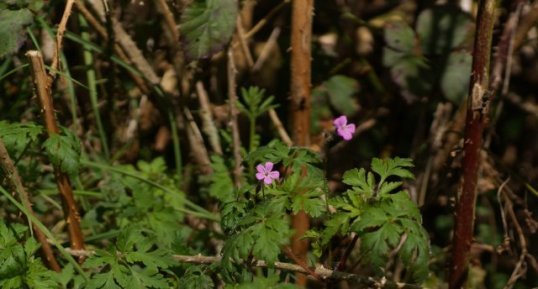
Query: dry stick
{"points": [[59, 38], [521, 267], [243, 43], [208, 123], [264, 20], [232, 100], [266, 50], [527, 22], [14, 179], [196, 143], [280, 128], [319, 270], [62, 179], [477, 112], [301, 38]]}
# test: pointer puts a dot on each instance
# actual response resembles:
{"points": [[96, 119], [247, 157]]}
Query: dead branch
{"points": [[42, 90]]}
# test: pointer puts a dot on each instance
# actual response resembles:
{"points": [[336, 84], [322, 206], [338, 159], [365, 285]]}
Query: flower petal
{"points": [[260, 168], [340, 121], [267, 180], [260, 176], [351, 128], [268, 167], [274, 175]]}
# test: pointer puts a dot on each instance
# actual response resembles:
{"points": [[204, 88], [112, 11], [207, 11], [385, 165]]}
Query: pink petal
{"points": [[268, 167], [268, 180], [260, 168], [351, 128], [346, 135], [274, 175], [340, 121], [260, 176]]}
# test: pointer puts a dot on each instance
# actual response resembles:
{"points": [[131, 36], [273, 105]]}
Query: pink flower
{"points": [[266, 173], [343, 129]]}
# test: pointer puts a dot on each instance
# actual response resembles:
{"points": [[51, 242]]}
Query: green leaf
{"points": [[443, 28], [207, 26], [400, 37], [16, 136], [12, 29], [456, 76], [340, 91], [221, 184], [64, 151], [362, 184], [270, 282], [195, 278], [393, 167]]}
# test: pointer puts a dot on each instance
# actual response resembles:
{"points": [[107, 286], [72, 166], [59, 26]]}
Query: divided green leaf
{"points": [[17, 136], [64, 151]]}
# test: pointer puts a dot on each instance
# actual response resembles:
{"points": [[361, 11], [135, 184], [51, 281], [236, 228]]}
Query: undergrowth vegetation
{"points": [[254, 144]]}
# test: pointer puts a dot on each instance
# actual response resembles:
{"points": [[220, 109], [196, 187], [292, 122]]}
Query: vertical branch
{"points": [[232, 100], [14, 179], [477, 113], [301, 36], [62, 180]]}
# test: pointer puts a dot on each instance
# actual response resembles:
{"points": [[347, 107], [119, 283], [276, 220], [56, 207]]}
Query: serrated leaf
{"points": [[207, 26], [361, 183], [387, 188], [311, 202], [64, 151], [16, 136], [393, 167], [12, 29], [195, 278], [221, 184]]}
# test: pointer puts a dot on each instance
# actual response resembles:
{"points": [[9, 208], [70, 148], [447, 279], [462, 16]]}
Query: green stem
{"points": [[92, 84]]}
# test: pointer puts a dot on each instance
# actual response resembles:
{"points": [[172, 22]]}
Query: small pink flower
{"points": [[266, 173], [343, 129]]}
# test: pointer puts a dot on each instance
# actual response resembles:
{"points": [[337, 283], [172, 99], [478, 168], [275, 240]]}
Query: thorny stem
{"points": [[301, 37], [477, 113], [42, 90]]}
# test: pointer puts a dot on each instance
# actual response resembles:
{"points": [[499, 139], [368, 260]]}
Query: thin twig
{"points": [[521, 267], [59, 38], [208, 123], [43, 92], [196, 142], [267, 48], [232, 100], [319, 270], [280, 127], [14, 180]]}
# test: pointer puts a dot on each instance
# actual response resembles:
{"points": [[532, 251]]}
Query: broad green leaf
{"points": [[207, 26], [362, 183], [456, 76], [340, 91], [12, 29], [400, 37], [443, 28]]}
